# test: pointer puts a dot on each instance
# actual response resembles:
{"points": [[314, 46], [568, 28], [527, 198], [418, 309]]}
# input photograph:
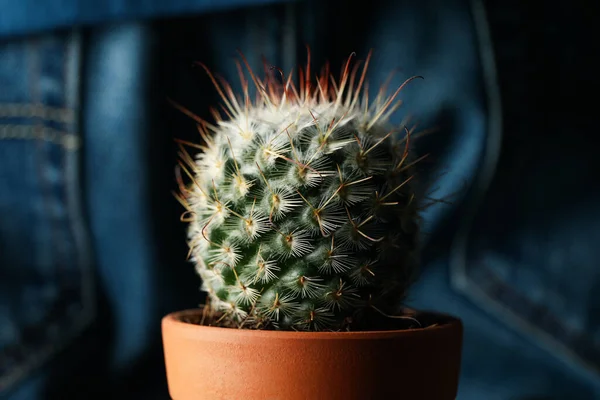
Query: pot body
{"points": [[220, 363]]}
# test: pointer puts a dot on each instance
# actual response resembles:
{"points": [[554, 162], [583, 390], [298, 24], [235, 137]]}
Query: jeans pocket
{"points": [[46, 296], [527, 249]]}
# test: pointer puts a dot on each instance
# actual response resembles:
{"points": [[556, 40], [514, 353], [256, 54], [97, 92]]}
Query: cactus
{"points": [[300, 206]]}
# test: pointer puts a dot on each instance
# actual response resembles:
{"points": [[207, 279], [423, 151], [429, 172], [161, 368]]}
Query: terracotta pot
{"points": [[236, 364]]}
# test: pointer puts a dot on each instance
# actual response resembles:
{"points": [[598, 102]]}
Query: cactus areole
{"points": [[300, 207]]}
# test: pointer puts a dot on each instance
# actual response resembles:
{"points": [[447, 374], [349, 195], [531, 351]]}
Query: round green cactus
{"points": [[300, 206]]}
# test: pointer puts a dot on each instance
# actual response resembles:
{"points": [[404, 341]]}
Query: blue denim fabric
{"points": [[115, 127], [32, 16], [85, 265], [529, 255], [46, 288]]}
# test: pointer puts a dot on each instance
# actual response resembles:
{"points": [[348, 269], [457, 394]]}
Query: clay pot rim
{"points": [[174, 320]]}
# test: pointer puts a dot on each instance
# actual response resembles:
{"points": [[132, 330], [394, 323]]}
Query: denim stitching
{"points": [[36, 110], [69, 141]]}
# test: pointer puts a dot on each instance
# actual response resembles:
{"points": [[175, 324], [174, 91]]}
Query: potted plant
{"points": [[303, 227]]}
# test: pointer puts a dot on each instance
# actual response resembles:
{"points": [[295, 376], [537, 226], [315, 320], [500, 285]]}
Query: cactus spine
{"points": [[300, 208]]}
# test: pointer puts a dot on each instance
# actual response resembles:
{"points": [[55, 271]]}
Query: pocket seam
{"points": [[69, 141], [37, 110]]}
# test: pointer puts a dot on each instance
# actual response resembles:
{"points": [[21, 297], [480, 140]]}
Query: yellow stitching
{"points": [[29, 132], [28, 110]]}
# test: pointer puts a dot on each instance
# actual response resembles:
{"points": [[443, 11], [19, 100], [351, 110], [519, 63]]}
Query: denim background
{"points": [[91, 249]]}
